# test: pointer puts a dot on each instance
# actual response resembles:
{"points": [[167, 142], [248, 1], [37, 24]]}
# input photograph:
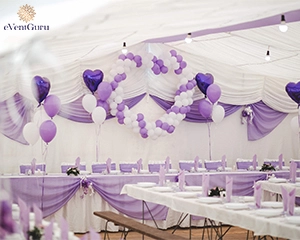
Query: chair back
{"points": [[273, 162], [297, 161], [213, 164], [25, 167], [98, 167], [187, 165], [244, 163], [155, 166], [127, 167], [65, 166]]}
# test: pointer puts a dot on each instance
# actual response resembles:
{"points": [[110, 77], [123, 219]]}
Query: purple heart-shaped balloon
{"points": [[203, 81], [92, 79], [293, 90], [40, 87]]}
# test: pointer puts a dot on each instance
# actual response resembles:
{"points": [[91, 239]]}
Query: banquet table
{"points": [[59, 195], [244, 218]]}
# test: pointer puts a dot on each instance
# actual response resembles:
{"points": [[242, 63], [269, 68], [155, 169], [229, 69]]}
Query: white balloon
{"points": [[89, 102], [113, 105], [157, 131], [31, 133], [295, 124], [98, 115], [127, 120], [113, 112], [218, 113], [118, 99]]}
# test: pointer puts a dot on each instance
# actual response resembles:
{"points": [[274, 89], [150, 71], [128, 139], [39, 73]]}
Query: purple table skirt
{"points": [[52, 192]]}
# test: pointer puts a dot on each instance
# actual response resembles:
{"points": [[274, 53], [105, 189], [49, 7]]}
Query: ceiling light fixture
{"points": [[283, 27], [188, 38], [268, 58], [124, 49]]}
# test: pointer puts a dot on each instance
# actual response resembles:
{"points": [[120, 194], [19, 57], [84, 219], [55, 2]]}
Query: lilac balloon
{"points": [[183, 110], [173, 53], [122, 56], [158, 123], [130, 56], [52, 105], [140, 117], [114, 85], [205, 108], [103, 104], [164, 69], [171, 129], [175, 109], [182, 88], [143, 131], [139, 64], [118, 78], [178, 71], [47, 131], [213, 93], [179, 58], [160, 62], [92, 79], [40, 88], [165, 126], [121, 120], [104, 90], [203, 81], [137, 58], [142, 124], [154, 59], [183, 64], [120, 115], [121, 106], [156, 69], [123, 76], [189, 85]]}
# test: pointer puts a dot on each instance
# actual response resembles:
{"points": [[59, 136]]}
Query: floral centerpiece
{"points": [[216, 191], [267, 167], [73, 170], [86, 186], [35, 233]]}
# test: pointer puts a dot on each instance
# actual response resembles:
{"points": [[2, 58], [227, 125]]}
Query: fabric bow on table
{"points": [[77, 162], [288, 199], [280, 161], [229, 183]]}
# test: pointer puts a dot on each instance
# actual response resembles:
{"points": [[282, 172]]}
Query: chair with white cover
{"points": [[212, 165], [99, 167], [126, 167], [273, 162], [188, 165], [154, 166], [242, 163], [24, 168], [66, 165]]}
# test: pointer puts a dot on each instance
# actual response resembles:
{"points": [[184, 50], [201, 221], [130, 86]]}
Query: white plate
{"points": [[285, 167], [84, 172], [115, 172], [201, 170], [248, 199], [236, 206], [146, 184], [228, 169], [209, 200], [162, 189], [172, 170], [186, 194], [293, 219], [144, 171], [270, 204], [277, 180], [268, 212], [193, 188]]}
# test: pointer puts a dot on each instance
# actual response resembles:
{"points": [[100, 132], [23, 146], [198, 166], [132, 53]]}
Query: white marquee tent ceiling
{"points": [[230, 40]]}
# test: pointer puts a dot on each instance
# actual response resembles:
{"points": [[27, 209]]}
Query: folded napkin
{"points": [[77, 162], [223, 162], [205, 185], [24, 216], [162, 176], [33, 164], [167, 164], [38, 215], [254, 161], [292, 198], [293, 169], [196, 163], [139, 165], [257, 194], [64, 229], [285, 198], [280, 158], [181, 180], [108, 165], [229, 182], [48, 232]]}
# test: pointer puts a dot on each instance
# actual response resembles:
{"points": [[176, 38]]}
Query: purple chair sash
{"points": [[274, 163], [65, 167], [25, 167], [101, 167], [213, 165], [244, 164], [127, 167], [188, 165]]}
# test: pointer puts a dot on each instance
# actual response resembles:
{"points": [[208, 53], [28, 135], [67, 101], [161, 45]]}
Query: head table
{"points": [[60, 195]]}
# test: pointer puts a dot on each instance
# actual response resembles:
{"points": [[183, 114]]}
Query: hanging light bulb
{"points": [[268, 58], [283, 27], [188, 38], [124, 49]]}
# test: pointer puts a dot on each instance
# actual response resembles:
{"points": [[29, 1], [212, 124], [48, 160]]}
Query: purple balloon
{"points": [[160, 62], [137, 58], [140, 117], [183, 64], [47, 131], [123, 76], [164, 69], [203, 81], [92, 79], [293, 90], [40, 88], [179, 58], [104, 90], [178, 71], [52, 105], [165, 126], [182, 88], [189, 85], [121, 120], [130, 56], [121, 106], [158, 123], [139, 64], [120, 115], [142, 124], [114, 85], [173, 53], [103, 104], [175, 109], [143, 131], [118, 78], [205, 108], [122, 56], [213, 92], [171, 129]]}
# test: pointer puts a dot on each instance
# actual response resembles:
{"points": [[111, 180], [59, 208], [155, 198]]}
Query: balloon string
{"points": [[45, 152], [209, 139], [98, 128]]}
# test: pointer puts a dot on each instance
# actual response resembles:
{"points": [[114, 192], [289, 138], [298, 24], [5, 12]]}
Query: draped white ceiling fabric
{"points": [[230, 40]]}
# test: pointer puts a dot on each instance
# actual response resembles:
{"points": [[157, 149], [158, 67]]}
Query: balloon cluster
{"points": [[174, 115], [98, 108], [42, 126], [208, 106], [293, 90]]}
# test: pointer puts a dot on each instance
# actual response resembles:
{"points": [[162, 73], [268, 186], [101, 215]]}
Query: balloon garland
{"points": [[182, 100]]}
